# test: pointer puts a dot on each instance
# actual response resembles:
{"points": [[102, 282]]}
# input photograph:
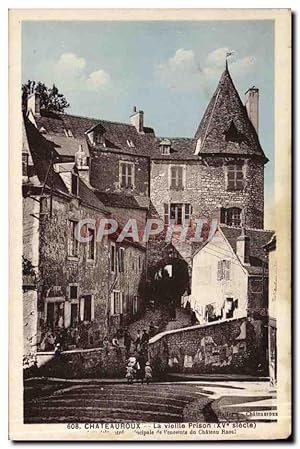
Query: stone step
{"points": [[133, 397], [104, 404], [75, 413]]}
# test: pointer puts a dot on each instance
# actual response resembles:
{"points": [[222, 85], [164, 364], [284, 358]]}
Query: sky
{"points": [[167, 69]]}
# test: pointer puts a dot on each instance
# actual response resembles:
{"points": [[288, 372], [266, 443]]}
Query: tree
{"points": [[51, 99]]}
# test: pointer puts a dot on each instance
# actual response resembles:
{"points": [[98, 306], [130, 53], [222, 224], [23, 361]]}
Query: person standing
{"points": [[148, 373], [127, 341], [138, 341], [144, 341]]}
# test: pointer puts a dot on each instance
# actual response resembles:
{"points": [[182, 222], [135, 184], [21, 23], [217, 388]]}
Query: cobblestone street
{"points": [[95, 401]]}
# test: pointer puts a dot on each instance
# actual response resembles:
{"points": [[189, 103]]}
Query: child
{"points": [[148, 373], [129, 373]]}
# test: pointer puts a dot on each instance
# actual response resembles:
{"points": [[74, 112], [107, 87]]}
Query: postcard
{"points": [[150, 218]]}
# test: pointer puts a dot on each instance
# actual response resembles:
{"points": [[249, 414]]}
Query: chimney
{"points": [[34, 104], [251, 103], [82, 165], [137, 120], [243, 247]]}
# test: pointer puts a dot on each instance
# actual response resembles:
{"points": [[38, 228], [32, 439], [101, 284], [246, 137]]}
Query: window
{"points": [[87, 314], [91, 244], [55, 314], [68, 132], [165, 150], [130, 143], [233, 216], [135, 305], [176, 177], [99, 139], [113, 258], [24, 164], [121, 260], [74, 184], [116, 303], [74, 314], [224, 270], [235, 177], [177, 213], [73, 291], [72, 241], [126, 174], [165, 147]]}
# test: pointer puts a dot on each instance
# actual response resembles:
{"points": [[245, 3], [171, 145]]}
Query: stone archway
{"points": [[169, 280]]}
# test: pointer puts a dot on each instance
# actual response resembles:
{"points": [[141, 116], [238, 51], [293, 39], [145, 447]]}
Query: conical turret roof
{"points": [[225, 127]]}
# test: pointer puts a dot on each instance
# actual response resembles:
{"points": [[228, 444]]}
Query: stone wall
{"points": [[105, 172], [30, 327], [205, 189], [89, 363], [225, 347], [57, 268]]}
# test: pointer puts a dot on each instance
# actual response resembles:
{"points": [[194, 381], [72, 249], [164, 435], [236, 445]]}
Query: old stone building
{"points": [[128, 173], [75, 292]]}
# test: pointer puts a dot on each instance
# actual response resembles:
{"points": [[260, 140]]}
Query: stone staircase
{"points": [[161, 321]]}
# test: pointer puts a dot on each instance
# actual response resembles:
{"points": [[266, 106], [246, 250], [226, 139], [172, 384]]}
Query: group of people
{"points": [[137, 364], [135, 370]]}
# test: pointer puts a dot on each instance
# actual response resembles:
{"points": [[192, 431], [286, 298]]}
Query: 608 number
{"points": [[73, 426]]}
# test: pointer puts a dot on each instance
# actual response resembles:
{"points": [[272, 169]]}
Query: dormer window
{"points": [[74, 184], [165, 147], [130, 143], [99, 139], [68, 132]]}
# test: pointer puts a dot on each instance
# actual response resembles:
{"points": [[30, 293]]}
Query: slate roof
{"points": [[67, 146], [258, 239], [40, 149], [89, 198], [225, 126], [224, 129], [123, 201], [116, 135]]}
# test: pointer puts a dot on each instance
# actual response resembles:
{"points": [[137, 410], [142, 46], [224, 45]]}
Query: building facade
{"points": [[124, 171]]}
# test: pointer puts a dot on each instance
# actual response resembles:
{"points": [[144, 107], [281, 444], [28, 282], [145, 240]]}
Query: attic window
{"points": [[165, 150], [233, 135], [99, 139], [68, 133], [165, 147], [130, 143]]}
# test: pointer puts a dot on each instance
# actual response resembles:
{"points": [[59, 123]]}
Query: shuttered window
{"points": [[177, 213], [223, 270]]}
